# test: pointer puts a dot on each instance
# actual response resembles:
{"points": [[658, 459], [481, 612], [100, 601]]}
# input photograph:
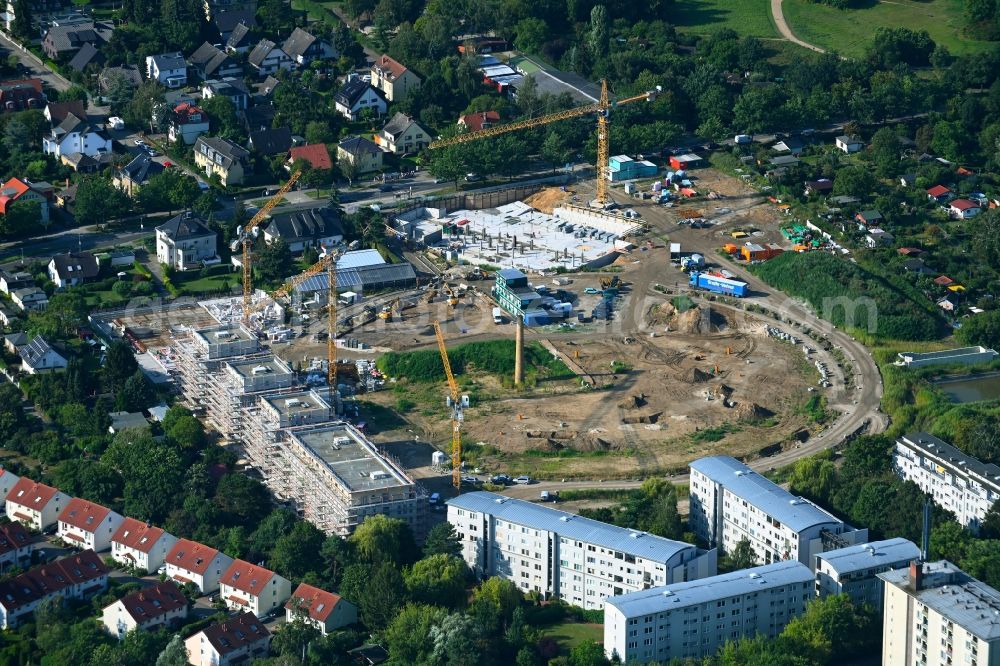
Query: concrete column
{"points": [[519, 351]]}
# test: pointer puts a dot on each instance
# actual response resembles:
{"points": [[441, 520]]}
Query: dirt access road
{"points": [[786, 32]]}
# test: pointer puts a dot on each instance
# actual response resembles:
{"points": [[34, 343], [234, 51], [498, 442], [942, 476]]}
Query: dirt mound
{"points": [[751, 411], [546, 200], [633, 401], [700, 320], [660, 314], [723, 391], [697, 375]]}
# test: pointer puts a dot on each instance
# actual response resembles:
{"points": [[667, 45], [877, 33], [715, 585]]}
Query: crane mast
{"points": [[456, 412], [248, 239], [331, 322]]}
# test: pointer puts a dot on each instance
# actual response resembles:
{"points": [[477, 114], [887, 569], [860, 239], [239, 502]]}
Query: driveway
{"points": [[786, 32]]}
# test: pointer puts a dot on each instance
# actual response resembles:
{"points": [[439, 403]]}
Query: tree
{"points": [[22, 218], [293, 638], [989, 527], [442, 540], [554, 150], [455, 640], [23, 25], [66, 311], [222, 117], [499, 594], [886, 151], [383, 539], [531, 34], [169, 190], [187, 432], [854, 181], [136, 394], [98, 201], [406, 636], [144, 99], [743, 556], [318, 131], [242, 499], [118, 92], [295, 553], [274, 262], [438, 579], [587, 653], [450, 163], [814, 477], [175, 654], [74, 92], [377, 591], [983, 329], [276, 16], [599, 37]]}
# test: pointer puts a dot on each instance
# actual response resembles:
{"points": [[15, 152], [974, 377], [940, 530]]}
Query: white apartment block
{"points": [[956, 481], [938, 615], [730, 502], [694, 619], [565, 556], [854, 570]]}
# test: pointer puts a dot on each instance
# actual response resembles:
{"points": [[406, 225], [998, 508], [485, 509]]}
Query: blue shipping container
{"points": [[718, 285]]}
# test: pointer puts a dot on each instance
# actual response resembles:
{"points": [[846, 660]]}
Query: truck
{"points": [[497, 316], [718, 285]]}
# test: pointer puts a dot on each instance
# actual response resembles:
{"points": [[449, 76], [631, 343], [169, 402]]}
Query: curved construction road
{"points": [[786, 32]]}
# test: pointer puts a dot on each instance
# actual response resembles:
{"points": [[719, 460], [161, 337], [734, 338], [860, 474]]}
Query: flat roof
{"points": [[870, 555], [969, 603], [351, 458], [224, 334], [796, 512], [571, 526], [297, 403], [256, 367], [359, 258], [945, 452], [705, 590], [946, 353]]}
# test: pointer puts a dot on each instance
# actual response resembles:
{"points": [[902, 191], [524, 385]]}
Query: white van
{"points": [[497, 316]]}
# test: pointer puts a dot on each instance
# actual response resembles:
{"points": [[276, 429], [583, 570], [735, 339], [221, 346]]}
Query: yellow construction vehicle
{"points": [[248, 239], [388, 309], [456, 412], [602, 108], [452, 295]]}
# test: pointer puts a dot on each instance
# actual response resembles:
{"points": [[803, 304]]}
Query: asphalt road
{"points": [[38, 69]]}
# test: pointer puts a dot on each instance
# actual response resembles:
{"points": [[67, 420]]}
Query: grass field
{"points": [[747, 17], [850, 31], [569, 634]]}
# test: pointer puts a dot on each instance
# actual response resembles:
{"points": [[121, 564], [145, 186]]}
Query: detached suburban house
{"points": [[267, 58], [209, 62], [878, 238], [303, 48], [324, 610], [229, 87], [393, 78], [76, 577], [75, 135], [62, 41], [355, 96], [167, 69], [234, 641], [963, 209], [30, 299], [403, 135], [849, 144], [56, 112], [187, 123], [131, 177], [159, 606], [38, 357], [314, 227], [474, 122], [184, 242], [821, 186], [314, 154], [276, 141], [73, 268], [87, 525], [240, 39], [364, 155], [192, 562], [222, 158], [16, 190], [35, 505], [141, 545], [247, 587]]}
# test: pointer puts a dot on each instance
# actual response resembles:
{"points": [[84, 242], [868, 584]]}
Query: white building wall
{"points": [[150, 561], [99, 539]]}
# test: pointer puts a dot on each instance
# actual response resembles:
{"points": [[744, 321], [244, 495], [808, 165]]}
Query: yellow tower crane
{"points": [[602, 108], [294, 281], [331, 321], [456, 412], [248, 240]]}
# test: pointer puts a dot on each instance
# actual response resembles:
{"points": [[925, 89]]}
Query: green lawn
{"points": [[850, 31], [747, 17], [571, 634]]}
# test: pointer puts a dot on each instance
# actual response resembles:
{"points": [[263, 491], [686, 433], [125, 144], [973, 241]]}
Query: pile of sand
{"points": [[700, 320], [633, 401], [751, 411], [660, 314], [546, 200]]}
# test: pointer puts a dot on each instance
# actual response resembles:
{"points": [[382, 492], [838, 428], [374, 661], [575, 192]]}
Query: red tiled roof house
{"points": [[393, 78], [150, 608], [192, 562], [237, 640], [15, 544], [84, 524], [35, 505], [141, 545], [76, 577], [245, 586], [324, 610]]}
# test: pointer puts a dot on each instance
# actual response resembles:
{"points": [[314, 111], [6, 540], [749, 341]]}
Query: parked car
{"points": [[434, 498], [500, 480], [549, 496], [471, 480], [522, 480], [473, 177], [385, 188]]}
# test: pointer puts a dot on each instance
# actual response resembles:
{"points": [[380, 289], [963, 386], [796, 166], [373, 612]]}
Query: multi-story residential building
{"points": [[7, 481], [187, 122], [513, 293], [221, 157], [393, 78], [854, 570], [355, 96], [362, 155], [565, 556], [695, 618], [192, 562], [79, 576], [938, 615], [88, 525], [141, 545], [148, 609], [234, 641], [730, 502], [324, 610], [248, 587], [35, 505], [76, 135], [167, 69], [184, 242], [956, 481], [311, 227]]}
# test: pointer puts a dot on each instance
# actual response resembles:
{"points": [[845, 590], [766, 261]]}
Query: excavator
{"points": [[387, 310]]}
